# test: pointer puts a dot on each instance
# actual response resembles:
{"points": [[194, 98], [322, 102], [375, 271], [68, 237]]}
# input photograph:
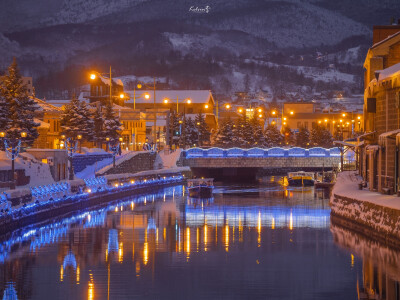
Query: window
{"points": [[298, 124], [306, 125]]}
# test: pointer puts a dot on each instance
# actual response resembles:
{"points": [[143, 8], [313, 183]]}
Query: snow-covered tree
{"points": [[189, 134], [273, 137], [72, 121], [17, 107], [303, 137], [174, 128], [321, 137], [258, 138], [202, 128], [112, 125], [87, 121], [225, 136], [288, 136], [98, 128]]}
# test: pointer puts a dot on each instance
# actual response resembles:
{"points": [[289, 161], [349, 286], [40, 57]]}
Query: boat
{"points": [[325, 180], [200, 188], [301, 178]]}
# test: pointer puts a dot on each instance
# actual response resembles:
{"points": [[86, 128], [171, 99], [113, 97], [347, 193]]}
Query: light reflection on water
{"points": [[249, 241]]}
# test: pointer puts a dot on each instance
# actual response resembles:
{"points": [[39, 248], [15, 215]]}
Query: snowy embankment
{"points": [[169, 159], [372, 211], [38, 172]]}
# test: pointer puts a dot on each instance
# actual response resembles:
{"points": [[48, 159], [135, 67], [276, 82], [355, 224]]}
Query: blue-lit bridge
{"points": [[247, 163]]}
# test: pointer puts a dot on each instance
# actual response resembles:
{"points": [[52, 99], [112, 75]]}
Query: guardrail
{"points": [[260, 152]]}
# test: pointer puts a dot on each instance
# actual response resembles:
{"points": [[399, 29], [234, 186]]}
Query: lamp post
{"points": [[12, 147], [70, 146], [114, 147]]}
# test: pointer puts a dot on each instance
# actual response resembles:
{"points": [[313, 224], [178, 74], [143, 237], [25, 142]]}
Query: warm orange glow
{"points": [[334, 122], [291, 221], [139, 86], [205, 237], [165, 100], [206, 106], [273, 112], [240, 110], [62, 273], [273, 122], [122, 96], [273, 223], [343, 115], [91, 288], [147, 96], [226, 238], [227, 106], [326, 120], [78, 274], [188, 101], [145, 253], [198, 123], [284, 119], [93, 76], [292, 113], [341, 120], [79, 137], [23, 134], [359, 117], [260, 116], [259, 110], [121, 252], [284, 123], [319, 122]]}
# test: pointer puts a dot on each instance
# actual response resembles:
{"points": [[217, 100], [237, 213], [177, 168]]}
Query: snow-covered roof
{"points": [[389, 72], [158, 123], [385, 40], [114, 80], [387, 134], [42, 124], [196, 96], [45, 106]]}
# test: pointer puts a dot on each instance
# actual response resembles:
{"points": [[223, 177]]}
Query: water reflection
{"points": [[380, 265], [258, 241]]}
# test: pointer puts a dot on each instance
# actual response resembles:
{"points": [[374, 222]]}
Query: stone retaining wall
{"points": [[138, 163]]}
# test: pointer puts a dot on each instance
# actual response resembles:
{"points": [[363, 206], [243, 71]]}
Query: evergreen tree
{"points": [[225, 134], [98, 128], [204, 133], [17, 107], [303, 137], [189, 134], [71, 120], [273, 138], [174, 128], [87, 129], [288, 136], [321, 137], [258, 139], [112, 125], [239, 133]]}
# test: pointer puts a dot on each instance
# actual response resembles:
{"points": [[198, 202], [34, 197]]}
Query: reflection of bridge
{"points": [[237, 162]]}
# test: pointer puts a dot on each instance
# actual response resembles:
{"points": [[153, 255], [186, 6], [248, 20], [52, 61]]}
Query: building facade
{"points": [[379, 153]]}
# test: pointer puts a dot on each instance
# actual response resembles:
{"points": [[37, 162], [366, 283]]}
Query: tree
{"points": [[17, 108], [87, 122], [273, 137], [288, 136], [202, 128], [320, 136], [174, 128], [258, 138], [112, 125], [71, 120], [189, 135], [98, 128], [225, 134], [303, 137]]}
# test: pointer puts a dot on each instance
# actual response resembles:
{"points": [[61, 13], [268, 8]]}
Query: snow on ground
{"points": [[169, 159], [90, 171], [347, 186], [39, 172]]}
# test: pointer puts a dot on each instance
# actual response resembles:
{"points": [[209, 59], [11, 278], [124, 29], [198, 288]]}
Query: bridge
{"points": [[248, 163]]}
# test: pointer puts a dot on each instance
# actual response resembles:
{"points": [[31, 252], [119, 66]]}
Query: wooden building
{"points": [[380, 163]]}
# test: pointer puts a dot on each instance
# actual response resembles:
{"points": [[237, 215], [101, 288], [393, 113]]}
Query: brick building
{"points": [[379, 164]]}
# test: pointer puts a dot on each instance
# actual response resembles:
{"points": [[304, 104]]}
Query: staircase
{"points": [[140, 161]]}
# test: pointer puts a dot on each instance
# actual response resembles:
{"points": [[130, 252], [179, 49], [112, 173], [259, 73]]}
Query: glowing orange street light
{"points": [[284, 119], [292, 113], [139, 85], [240, 110], [359, 117], [260, 115], [319, 122], [284, 123], [326, 120], [343, 115], [93, 76], [198, 123], [340, 120], [165, 100], [259, 110], [122, 96], [273, 112], [147, 96], [188, 101], [227, 106], [23, 134], [2, 134], [206, 106]]}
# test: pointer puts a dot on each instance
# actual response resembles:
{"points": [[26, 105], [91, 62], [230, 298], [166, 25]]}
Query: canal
{"points": [[251, 241]]}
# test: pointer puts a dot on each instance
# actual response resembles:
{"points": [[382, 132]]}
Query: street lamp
{"points": [[12, 147], [70, 146], [114, 147]]}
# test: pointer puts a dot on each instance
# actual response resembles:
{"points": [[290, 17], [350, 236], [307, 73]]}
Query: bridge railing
{"points": [[261, 152]]}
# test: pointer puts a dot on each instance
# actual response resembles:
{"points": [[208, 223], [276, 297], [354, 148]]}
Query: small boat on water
{"points": [[200, 188], [325, 180], [301, 178]]}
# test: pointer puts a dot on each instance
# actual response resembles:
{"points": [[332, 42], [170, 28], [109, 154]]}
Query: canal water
{"points": [[251, 241]]}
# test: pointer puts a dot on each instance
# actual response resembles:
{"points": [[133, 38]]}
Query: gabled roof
{"points": [[45, 106], [196, 96], [382, 48]]}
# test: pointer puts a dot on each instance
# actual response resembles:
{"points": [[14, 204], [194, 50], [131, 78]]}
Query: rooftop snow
{"points": [[389, 72]]}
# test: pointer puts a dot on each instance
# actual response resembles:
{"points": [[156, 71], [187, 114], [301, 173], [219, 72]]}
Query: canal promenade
{"points": [[370, 213], [25, 206]]}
